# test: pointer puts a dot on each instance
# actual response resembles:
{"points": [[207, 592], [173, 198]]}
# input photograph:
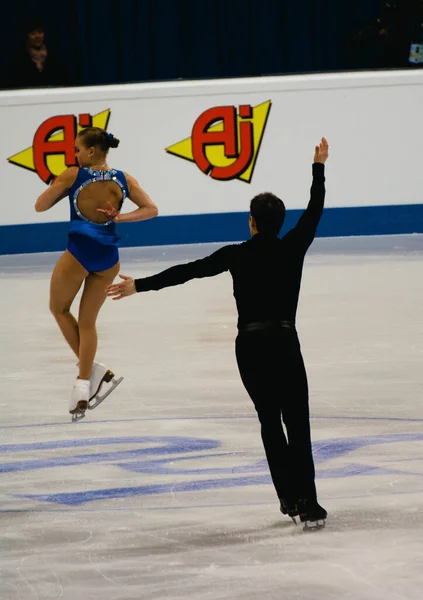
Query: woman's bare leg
{"points": [[66, 280], [92, 300]]}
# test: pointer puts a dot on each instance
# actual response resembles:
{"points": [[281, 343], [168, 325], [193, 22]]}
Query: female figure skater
{"points": [[96, 193]]}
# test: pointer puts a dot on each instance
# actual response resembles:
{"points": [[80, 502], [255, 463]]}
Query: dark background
{"points": [[105, 42]]}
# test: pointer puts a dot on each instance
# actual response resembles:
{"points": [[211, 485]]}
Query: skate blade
{"points": [[77, 417], [314, 525], [107, 377], [79, 412], [292, 517], [92, 404]]}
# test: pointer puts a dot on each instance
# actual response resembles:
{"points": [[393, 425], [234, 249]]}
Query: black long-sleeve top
{"points": [[266, 272]]}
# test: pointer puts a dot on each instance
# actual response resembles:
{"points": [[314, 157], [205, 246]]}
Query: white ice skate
{"points": [[80, 396], [99, 376]]}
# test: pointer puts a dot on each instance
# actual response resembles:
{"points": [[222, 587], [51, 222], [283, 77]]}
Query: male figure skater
{"points": [[266, 272]]}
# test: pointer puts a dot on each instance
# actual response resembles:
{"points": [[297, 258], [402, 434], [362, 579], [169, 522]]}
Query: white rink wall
{"points": [[202, 150]]}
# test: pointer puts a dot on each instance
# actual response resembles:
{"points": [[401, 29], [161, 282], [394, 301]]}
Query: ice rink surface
{"points": [[163, 491]]}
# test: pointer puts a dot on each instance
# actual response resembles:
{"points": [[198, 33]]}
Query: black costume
{"points": [[266, 273]]}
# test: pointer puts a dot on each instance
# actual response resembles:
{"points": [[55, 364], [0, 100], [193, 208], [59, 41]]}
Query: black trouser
{"points": [[273, 373]]}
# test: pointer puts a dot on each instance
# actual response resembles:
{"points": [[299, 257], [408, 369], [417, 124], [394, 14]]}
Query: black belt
{"points": [[260, 325]]}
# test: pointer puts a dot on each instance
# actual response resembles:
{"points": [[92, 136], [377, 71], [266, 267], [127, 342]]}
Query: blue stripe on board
{"points": [[219, 227]]}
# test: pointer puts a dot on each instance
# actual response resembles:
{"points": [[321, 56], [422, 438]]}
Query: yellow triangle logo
{"points": [[55, 162], [215, 153]]}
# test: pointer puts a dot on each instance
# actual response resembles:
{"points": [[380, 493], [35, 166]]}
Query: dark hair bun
{"points": [[113, 142], [94, 136]]}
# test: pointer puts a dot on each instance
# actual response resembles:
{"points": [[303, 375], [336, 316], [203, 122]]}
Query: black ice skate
{"points": [[289, 507], [311, 514]]}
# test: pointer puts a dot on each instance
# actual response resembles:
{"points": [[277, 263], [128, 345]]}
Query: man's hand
{"points": [[124, 288], [321, 152]]}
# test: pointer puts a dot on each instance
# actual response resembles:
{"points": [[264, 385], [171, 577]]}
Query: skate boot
{"points": [[289, 507], [99, 376], [311, 514], [79, 399]]}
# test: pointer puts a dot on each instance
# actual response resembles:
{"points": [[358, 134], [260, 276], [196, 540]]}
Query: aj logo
{"points": [[225, 143], [53, 148]]}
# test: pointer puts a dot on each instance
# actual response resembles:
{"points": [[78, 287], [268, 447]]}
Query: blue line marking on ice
{"points": [[324, 450]]}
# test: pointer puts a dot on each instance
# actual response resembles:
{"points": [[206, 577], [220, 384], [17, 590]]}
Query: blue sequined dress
{"points": [[94, 245]]}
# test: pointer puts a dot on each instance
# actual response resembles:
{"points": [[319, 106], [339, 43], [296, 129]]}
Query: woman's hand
{"points": [[321, 152], [124, 288], [111, 212]]}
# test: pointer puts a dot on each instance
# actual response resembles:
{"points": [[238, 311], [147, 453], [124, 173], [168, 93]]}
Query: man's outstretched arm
{"points": [[305, 229], [216, 263]]}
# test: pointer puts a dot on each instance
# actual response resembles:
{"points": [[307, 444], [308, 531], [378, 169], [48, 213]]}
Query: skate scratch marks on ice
{"points": [[90, 537], [105, 576], [15, 587], [137, 400], [55, 576], [156, 536], [387, 593], [25, 579], [327, 402], [369, 491], [172, 493], [369, 361]]}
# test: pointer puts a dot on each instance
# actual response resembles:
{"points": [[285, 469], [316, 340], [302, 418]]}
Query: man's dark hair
{"points": [[30, 25], [268, 211]]}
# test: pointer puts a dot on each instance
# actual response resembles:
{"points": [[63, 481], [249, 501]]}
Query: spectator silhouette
{"points": [[384, 43], [35, 65]]}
